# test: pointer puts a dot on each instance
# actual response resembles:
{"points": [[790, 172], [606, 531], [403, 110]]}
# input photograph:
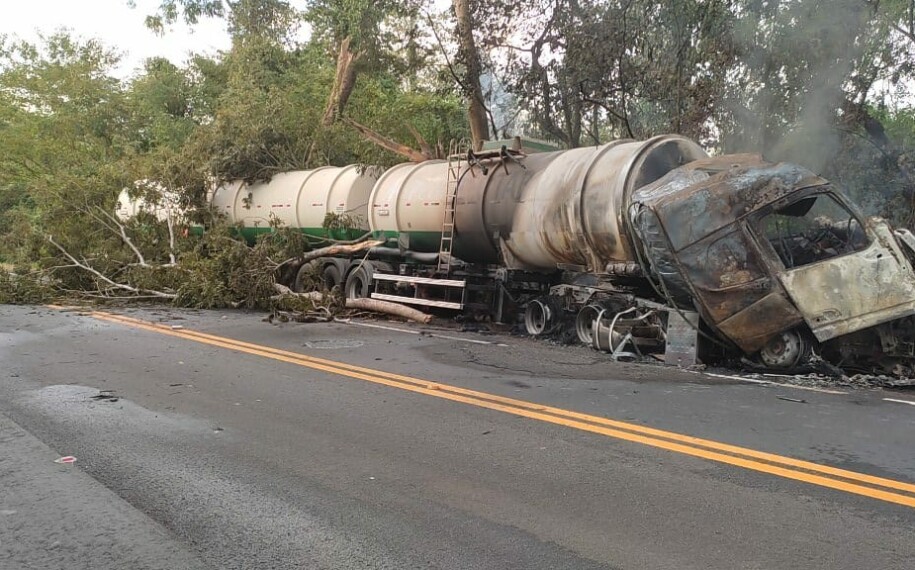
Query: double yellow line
{"points": [[880, 488]]}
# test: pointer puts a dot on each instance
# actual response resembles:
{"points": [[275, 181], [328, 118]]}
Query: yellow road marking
{"points": [[787, 467]]}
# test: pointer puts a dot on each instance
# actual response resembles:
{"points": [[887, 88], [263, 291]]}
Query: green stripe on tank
{"points": [[425, 242], [334, 233], [314, 234], [250, 234]]}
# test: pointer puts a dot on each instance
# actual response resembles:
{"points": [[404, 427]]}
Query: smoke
{"points": [[798, 58]]}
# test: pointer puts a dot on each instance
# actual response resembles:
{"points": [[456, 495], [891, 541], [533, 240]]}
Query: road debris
{"points": [[105, 396], [787, 399], [909, 402], [67, 459]]}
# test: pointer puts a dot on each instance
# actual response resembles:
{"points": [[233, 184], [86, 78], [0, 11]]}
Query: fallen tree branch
{"points": [[359, 239], [386, 307], [339, 249], [112, 284], [283, 291], [118, 228], [386, 143]]}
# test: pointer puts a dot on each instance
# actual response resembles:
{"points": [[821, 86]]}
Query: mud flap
{"points": [[682, 338]]}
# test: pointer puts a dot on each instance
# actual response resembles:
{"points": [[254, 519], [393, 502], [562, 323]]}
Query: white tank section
{"points": [[168, 205], [299, 199], [410, 199]]}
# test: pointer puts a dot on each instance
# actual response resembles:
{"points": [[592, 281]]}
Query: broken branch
{"points": [[386, 143], [112, 284], [386, 307]]}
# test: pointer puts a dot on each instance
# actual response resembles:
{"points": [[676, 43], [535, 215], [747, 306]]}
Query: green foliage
{"points": [[19, 287], [809, 81], [222, 271]]}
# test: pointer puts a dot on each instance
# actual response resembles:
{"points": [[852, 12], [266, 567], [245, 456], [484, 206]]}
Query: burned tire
{"points": [[542, 316], [787, 351], [584, 323]]}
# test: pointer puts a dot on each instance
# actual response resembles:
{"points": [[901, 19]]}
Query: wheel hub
{"points": [[784, 351]]}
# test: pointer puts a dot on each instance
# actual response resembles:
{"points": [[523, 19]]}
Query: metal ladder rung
{"points": [[455, 164]]}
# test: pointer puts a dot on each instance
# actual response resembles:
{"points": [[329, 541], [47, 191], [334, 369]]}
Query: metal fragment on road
{"points": [[909, 402], [787, 399], [332, 344]]}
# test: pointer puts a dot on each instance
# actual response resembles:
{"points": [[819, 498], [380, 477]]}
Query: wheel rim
{"points": [[784, 351], [357, 284], [584, 324], [536, 318]]}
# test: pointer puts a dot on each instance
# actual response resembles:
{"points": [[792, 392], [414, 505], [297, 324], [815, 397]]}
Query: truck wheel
{"points": [[584, 323], [541, 317], [332, 277], [786, 351], [359, 282], [304, 278]]}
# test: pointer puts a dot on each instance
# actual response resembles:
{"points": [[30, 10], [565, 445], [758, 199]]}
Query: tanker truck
{"points": [[632, 247]]}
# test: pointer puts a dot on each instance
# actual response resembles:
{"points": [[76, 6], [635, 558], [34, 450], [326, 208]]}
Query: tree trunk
{"points": [[470, 57], [339, 249], [395, 309], [344, 81]]}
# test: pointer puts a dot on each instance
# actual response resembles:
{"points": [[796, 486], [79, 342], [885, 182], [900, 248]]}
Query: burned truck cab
{"points": [[779, 264]]}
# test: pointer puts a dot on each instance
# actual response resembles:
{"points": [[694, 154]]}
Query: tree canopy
{"points": [[315, 82]]}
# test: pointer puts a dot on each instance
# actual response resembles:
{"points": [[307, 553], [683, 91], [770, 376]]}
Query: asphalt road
{"points": [[443, 450]]}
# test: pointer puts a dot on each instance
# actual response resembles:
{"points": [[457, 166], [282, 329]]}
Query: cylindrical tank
{"points": [[408, 203], [561, 208], [301, 199], [166, 207]]}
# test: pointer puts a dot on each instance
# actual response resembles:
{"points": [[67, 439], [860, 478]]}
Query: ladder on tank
{"points": [[455, 165]]}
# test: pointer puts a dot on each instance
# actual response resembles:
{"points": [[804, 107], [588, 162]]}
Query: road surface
{"points": [[218, 440]]}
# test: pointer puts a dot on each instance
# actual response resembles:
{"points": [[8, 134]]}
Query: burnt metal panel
{"points": [[562, 208], [706, 195], [682, 338], [854, 291], [485, 205], [752, 327], [696, 226]]}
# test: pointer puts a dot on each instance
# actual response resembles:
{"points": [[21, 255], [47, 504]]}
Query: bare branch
{"points": [[122, 231], [387, 143], [112, 284]]}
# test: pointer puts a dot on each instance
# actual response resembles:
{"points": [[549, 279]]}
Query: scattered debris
{"points": [[332, 344], [66, 459], [909, 402], [787, 399], [105, 396], [177, 327], [389, 308]]}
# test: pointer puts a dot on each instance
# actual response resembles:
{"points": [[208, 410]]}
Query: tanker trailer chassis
{"points": [[734, 256], [633, 247]]}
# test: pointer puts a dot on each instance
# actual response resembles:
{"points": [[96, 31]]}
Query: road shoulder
{"points": [[56, 516]]}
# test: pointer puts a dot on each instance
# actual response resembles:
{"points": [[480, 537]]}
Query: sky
{"points": [[116, 24]]}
